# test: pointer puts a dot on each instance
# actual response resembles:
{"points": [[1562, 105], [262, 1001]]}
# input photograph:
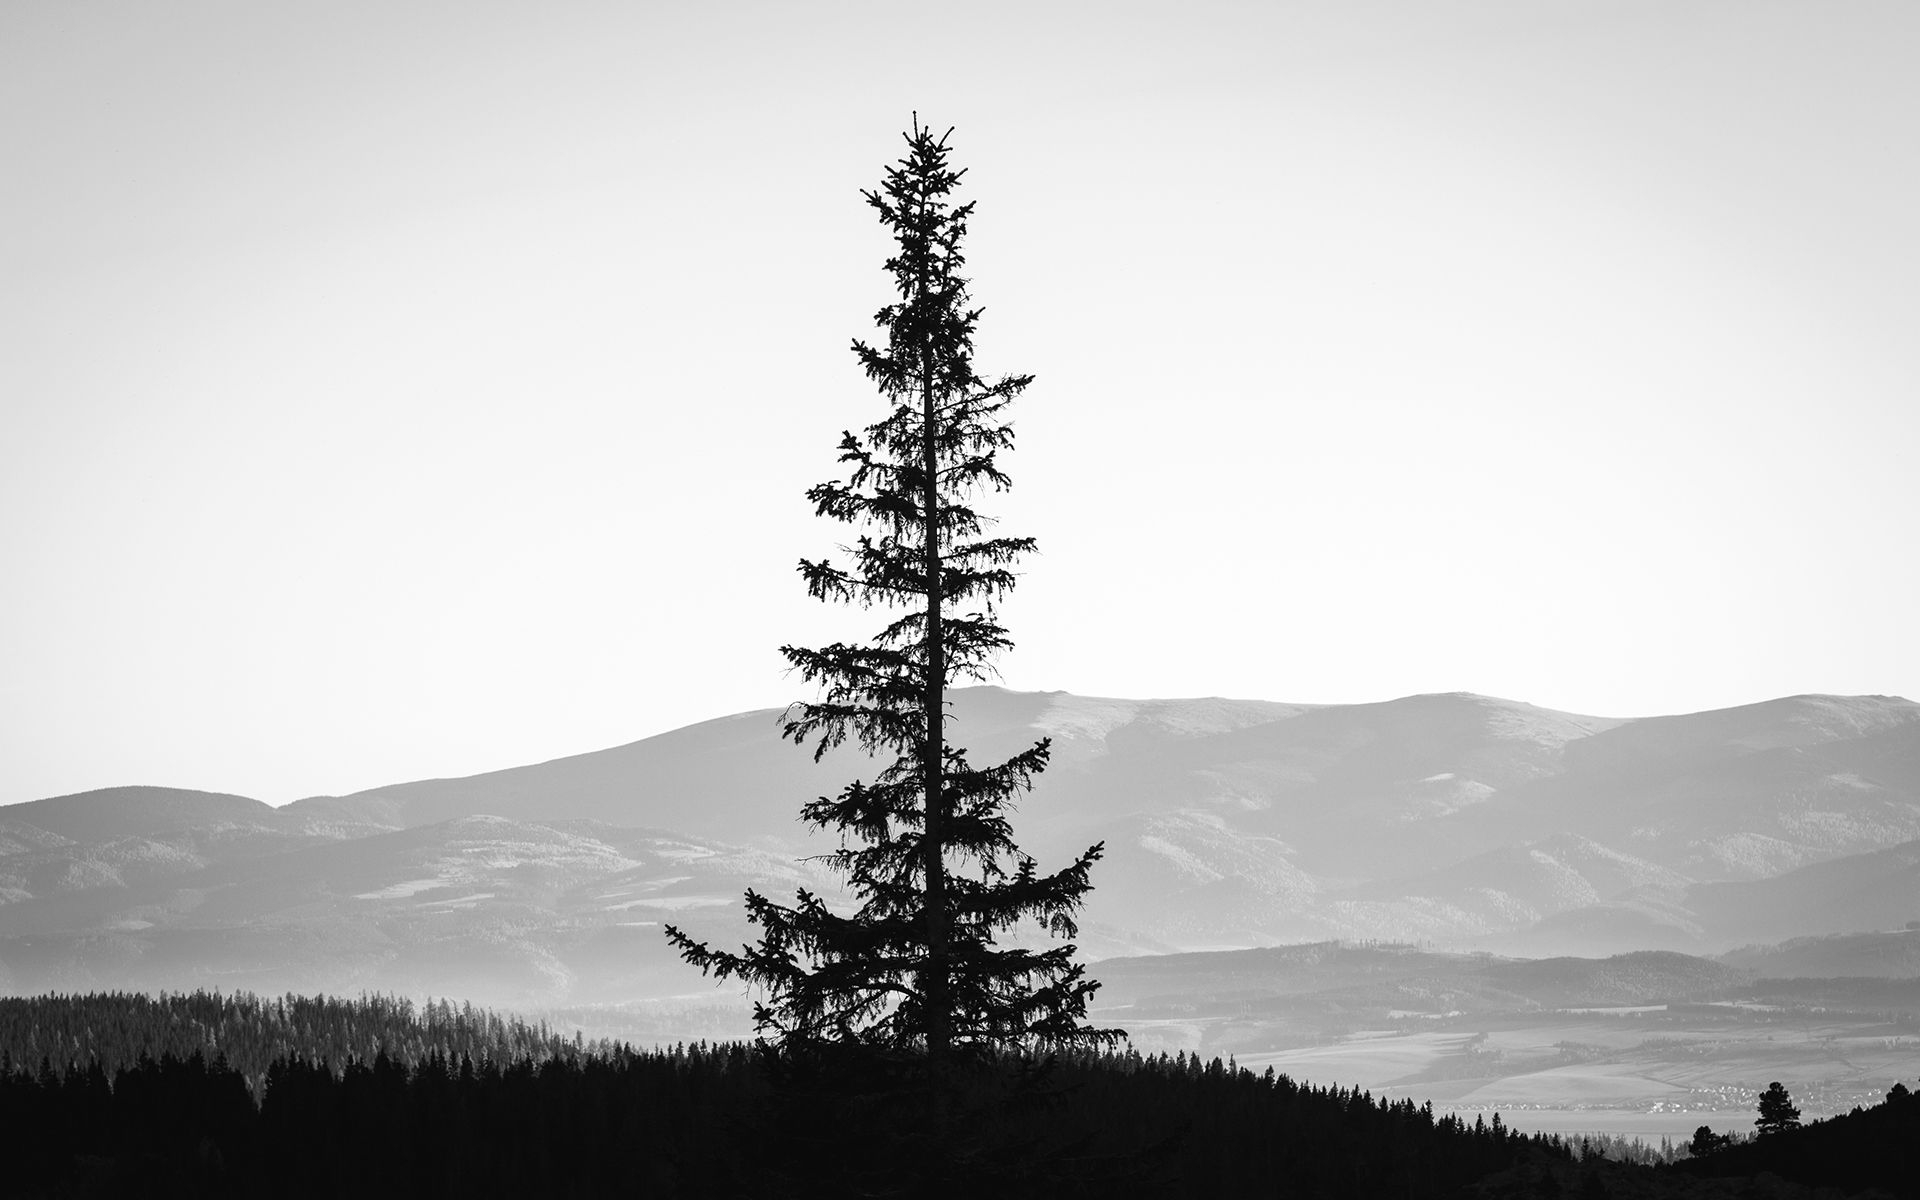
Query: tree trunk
{"points": [[933, 765]]}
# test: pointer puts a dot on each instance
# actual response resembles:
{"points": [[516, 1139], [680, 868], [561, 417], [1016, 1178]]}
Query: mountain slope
{"points": [[1735, 793], [720, 777], [1459, 820], [1877, 890], [119, 812], [1889, 954]]}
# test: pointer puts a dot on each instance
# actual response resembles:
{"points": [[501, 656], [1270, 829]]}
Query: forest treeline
{"points": [[128, 1095], [117, 1029], [377, 1097]]}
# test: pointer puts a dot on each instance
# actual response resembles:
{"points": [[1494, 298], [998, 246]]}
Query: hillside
{"points": [[1459, 821], [367, 1098], [1894, 954], [1382, 977], [1877, 890], [1651, 1043], [378, 1096], [1870, 1151]]}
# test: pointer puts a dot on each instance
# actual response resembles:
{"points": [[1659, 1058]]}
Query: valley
{"points": [[1454, 897]]}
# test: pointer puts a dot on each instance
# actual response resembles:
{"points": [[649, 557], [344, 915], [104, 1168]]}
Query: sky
{"points": [[401, 390]]}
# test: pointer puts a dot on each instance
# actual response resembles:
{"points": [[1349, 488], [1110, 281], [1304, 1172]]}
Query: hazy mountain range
{"points": [[1457, 821]]}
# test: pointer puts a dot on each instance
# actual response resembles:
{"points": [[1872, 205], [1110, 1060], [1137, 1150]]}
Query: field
{"points": [[1645, 1045], [1546, 1057], [1644, 1071]]}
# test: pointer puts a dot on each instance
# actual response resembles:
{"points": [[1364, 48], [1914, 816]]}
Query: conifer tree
{"points": [[926, 847], [1777, 1111]]}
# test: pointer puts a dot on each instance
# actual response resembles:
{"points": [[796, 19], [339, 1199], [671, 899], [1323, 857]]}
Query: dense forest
{"points": [[234, 1096], [135, 1095], [116, 1030]]}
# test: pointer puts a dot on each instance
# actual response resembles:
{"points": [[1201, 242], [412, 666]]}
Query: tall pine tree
{"points": [[925, 844]]}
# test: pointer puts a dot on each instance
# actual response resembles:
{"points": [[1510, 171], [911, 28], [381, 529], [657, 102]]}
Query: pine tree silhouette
{"points": [[1777, 1112], [914, 1010], [926, 845]]}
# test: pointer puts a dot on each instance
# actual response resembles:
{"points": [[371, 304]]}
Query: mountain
{"points": [[1889, 954], [122, 812], [118, 837], [1878, 890], [735, 773], [473, 907], [1457, 820]]}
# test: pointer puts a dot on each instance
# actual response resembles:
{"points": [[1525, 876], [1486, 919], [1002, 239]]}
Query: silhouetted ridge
{"points": [[117, 812], [1872, 1150], [688, 1120]]}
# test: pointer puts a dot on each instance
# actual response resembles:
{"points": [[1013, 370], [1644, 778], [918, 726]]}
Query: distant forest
{"points": [[128, 1095], [248, 1034]]}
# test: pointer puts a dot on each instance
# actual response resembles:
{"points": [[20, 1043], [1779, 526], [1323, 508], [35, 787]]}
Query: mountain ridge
{"points": [[1457, 819]]}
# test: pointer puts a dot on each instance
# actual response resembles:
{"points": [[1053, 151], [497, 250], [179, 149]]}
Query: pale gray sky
{"points": [[395, 390]]}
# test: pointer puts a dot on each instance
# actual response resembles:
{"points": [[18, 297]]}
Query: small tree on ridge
{"points": [[1777, 1112]]}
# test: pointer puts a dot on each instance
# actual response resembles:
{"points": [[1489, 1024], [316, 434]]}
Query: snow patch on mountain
{"points": [[1507, 908], [1091, 717], [648, 885], [1826, 718], [403, 889], [1850, 831], [1847, 779], [18, 837], [1182, 859], [1746, 855], [682, 850], [673, 903], [1097, 717], [1567, 887], [1544, 727], [1443, 795]]}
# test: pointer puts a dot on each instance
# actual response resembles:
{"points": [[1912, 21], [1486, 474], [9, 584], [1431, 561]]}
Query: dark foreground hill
{"points": [[1868, 1151], [572, 1120], [410, 1120]]}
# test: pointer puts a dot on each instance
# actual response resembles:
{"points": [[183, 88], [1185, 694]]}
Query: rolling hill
{"points": [[1456, 820]]}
